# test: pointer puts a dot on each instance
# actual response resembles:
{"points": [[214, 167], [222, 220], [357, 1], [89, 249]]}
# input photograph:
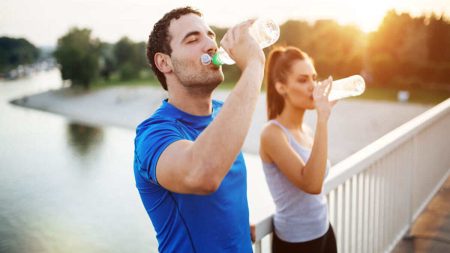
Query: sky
{"points": [[42, 22]]}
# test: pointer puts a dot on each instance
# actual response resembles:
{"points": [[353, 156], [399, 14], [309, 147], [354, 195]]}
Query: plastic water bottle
{"points": [[264, 31], [347, 87]]}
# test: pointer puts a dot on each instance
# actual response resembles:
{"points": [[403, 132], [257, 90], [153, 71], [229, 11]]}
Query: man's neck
{"points": [[192, 103]]}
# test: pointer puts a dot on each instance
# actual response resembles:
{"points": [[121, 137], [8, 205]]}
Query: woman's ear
{"points": [[163, 63], [281, 88]]}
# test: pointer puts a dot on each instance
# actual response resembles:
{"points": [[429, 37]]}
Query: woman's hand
{"points": [[320, 95]]}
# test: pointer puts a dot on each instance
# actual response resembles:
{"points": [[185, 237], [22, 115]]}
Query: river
{"points": [[65, 187]]}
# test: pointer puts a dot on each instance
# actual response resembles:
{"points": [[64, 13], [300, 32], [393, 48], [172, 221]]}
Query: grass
{"points": [[371, 93], [147, 81], [418, 96], [114, 82], [415, 95]]}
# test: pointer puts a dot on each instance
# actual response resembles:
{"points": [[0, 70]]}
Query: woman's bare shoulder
{"points": [[271, 131]]}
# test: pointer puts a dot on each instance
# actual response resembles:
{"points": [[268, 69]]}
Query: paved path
{"points": [[431, 231]]}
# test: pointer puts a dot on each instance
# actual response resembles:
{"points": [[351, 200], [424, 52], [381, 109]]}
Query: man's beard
{"points": [[200, 83]]}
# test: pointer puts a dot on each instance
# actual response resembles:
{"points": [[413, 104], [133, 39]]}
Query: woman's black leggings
{"points": [[324, 244]]}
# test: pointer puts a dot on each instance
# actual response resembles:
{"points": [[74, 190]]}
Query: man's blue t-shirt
{"points": [[186, 223]]}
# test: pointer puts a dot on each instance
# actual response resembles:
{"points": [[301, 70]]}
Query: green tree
{"points": [[15, 52], [130, 58], [108, 63], [295, 33], [337, 50], [78, 55], [410, 52], [439, 39], [439, 51], [393, 48]]}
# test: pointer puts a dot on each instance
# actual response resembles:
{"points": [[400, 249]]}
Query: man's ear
{"points": [[163, 63]]}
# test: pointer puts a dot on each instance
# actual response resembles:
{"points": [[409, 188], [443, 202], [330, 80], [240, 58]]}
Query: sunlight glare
{"points": [[367, 15]]}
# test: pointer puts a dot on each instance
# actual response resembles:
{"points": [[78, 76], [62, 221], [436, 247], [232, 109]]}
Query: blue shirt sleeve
{"points": [[150, 142]]}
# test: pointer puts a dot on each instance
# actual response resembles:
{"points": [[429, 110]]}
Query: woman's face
{"points": [[299, 86]]}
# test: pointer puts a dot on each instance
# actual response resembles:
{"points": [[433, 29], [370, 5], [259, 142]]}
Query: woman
{"points": [[295, 164]]}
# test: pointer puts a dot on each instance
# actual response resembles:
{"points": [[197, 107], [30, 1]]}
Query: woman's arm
{"points": [[275, 147]]}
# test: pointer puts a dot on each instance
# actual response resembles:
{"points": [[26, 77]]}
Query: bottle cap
{"points": [[216, 60], [205, 59]]}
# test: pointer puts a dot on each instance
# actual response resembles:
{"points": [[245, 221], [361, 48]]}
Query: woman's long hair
{"points": [[277, 69]]}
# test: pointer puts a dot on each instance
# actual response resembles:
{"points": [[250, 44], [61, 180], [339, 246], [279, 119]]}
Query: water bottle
{"points": [[347, 87], [264, 31]]}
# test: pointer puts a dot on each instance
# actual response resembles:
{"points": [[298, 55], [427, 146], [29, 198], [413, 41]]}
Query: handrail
{"points": [[367, 155]]}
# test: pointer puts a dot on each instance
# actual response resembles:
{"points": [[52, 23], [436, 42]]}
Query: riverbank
{"points": [[353, 124]]}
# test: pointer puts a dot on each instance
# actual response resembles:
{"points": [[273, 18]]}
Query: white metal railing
{"points": [[376, 194]]}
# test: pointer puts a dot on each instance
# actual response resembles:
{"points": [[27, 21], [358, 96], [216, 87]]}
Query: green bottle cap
{"points": [[216, 60]]}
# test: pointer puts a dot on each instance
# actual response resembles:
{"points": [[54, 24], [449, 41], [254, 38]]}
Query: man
{"points": [[189, 170]]}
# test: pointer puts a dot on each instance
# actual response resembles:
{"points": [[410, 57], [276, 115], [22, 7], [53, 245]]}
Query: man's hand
{"points": [[241, 46]]}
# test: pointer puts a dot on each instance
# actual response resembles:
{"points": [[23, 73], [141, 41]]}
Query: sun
{"points": [[367, 15]]}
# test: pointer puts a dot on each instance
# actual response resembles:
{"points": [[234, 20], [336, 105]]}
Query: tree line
{"points": [[404, 52], [15, 52], [410, 52], [84, 59]]}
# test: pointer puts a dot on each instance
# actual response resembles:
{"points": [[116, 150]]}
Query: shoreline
{"points": [[353, 123]]}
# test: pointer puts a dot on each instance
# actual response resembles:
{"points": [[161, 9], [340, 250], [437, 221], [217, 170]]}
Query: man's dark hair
{"points": [[159, 39]]}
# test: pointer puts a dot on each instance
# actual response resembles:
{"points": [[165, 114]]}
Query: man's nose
{"points": [[210, 45]]}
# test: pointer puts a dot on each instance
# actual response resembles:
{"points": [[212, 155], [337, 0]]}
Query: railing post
{"points": [[258, 247], [413, 168]]}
